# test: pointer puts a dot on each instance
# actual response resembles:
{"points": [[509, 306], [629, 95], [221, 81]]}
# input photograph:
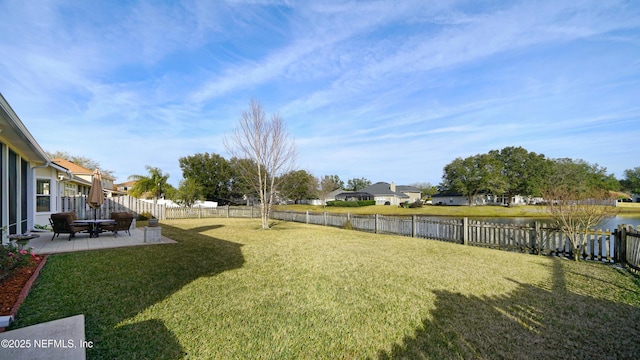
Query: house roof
{"points": [[332, 195], [73, 167], [128, 183], [407, 188], [383, 188], [354, 193], [15, 133]]}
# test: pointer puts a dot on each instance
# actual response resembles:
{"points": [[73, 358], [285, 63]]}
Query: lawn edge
{"points": [[26, 289]]}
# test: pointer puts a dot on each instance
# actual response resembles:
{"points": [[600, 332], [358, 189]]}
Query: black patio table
{"points": [[95, 225]]}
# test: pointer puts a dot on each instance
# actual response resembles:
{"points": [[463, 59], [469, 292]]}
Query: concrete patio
{"points": [[82, 242]]}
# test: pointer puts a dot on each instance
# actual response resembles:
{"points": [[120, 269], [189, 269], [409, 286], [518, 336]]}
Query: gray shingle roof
{"points": [[383, 188]]}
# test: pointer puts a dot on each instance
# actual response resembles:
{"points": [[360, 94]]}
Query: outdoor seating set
{"points": [[68, 223]]}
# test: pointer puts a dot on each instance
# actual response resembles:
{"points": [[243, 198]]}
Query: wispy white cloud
{"points": [[386, 87]]}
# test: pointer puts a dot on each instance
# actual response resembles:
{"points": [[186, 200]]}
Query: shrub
{"points": [[340, 203], [416, 204], [13, 257], [348, 225], [145, 216]]}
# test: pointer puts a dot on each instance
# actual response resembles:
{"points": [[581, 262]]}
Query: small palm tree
{"points": [[155, 184]]}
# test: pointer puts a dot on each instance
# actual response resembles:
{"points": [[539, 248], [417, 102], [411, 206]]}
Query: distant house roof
{"points": [[129, 183], [359, 195], [382, 189], [332, 195], [407, 188], [73, 167]]}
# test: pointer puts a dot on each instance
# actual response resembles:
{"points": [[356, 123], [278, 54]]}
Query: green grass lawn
{"points": [[230, 290]]}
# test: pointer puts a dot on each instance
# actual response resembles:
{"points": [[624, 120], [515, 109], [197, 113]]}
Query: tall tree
{"points": [[356, 184], [426, 188], [189, 191], [211, 172], [473, 175], [298, 185], [240, 186], [524, 172], [269, 147], [631, 181], [332, 182], [153, 185], [580, 176], [329, 183]]}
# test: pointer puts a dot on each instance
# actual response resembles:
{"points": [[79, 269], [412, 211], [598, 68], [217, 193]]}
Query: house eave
{"points": [[14, 132]]}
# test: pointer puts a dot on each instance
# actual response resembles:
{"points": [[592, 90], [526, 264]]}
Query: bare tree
{"points": [[269, 148], [575, 214]]}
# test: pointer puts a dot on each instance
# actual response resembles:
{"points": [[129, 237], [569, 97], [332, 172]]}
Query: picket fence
{"points": [[629, 240], [220, 211], [111, 204], [533, 238], [621, 245]]}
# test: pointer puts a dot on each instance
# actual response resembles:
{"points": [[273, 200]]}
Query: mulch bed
{"points": [[16, 286]]}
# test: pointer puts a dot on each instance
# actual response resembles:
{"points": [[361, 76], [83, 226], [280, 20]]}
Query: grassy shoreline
{"points": [[631, 209]]}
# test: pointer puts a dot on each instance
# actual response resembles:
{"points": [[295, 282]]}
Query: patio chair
{"points": [[122, 222], [62, 223]]}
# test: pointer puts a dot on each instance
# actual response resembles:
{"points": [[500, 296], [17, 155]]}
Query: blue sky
{"points": [[386, 90]]}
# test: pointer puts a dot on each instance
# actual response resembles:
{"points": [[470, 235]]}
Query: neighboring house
{"points": [[390, 193], [448, 198], [457, 199], [80, 181], [332, 195], [29, 180], [354, 196], [126, 186], [635, 197]]}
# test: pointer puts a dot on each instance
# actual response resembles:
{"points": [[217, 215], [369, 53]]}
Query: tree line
{"points": [[510, 171], [516, 171]]}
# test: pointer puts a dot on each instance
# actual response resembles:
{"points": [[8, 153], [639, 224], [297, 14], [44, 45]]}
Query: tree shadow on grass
{"points": [[546, 322], [202, 229], [110, 287]]}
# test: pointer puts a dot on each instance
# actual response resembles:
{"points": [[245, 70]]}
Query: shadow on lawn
{"points": [[113, 286], [530, 323]]}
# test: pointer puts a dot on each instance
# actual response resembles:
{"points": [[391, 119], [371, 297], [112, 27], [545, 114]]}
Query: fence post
{"points": [[537, 238], [623, 244], [465, 231], [307, 218], [324, 215], [413, 226], [227, 211], [376, 224]]}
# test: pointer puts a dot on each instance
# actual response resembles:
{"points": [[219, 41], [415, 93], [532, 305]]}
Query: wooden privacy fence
{"points": [[533, 238], [220, 211], [628, 241], [622, 245], [111, 204]]}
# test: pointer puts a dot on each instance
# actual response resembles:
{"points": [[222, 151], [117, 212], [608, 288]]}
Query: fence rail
{"points": [[622, 245], [532, 238], [628, 239], [112, 204]]}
